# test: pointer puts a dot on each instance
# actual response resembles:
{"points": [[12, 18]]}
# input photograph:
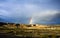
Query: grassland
{"points": [[30, 32]]}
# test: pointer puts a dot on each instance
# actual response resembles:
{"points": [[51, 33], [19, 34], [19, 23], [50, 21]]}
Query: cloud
{"points": [[40, 11], [19, 12], [19, 9], [46, 17], [4, 12]]}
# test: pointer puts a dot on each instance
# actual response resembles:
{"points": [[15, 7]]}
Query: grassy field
{"points": [[36, 33]]}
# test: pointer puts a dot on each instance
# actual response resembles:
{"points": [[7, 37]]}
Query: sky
{"points": [[25, 11]]}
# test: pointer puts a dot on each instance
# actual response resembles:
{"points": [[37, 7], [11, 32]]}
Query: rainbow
{"points": [[31, 21]]}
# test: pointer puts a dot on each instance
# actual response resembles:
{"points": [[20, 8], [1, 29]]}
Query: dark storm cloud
{"points": [[20, 11]]}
